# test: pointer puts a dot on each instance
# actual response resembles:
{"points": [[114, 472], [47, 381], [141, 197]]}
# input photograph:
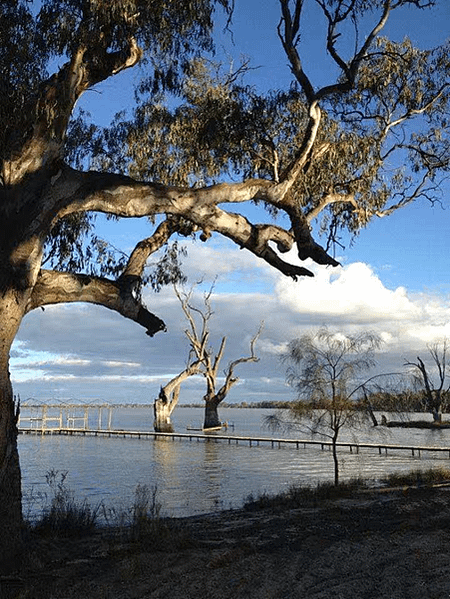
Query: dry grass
{"points": [[296, 497]]}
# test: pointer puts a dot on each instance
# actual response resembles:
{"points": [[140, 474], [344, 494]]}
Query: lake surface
{"points": [[195, 477]]}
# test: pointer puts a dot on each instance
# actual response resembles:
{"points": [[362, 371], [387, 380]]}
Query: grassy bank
{"points": [[296, 497]]}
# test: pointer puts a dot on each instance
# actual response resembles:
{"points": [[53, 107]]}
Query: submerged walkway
{"points": [[231, 439]]}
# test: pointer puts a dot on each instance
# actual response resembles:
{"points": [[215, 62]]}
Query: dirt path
{"points": [[389, 545]]}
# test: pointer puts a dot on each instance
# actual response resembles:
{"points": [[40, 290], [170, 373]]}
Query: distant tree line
{"points": [[267, 404], [408, 400]]}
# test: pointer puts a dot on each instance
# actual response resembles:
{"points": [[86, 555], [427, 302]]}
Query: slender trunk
{"points": [[336, 461], [10, 476], [372, 415], [370, 409], [211, 412]]}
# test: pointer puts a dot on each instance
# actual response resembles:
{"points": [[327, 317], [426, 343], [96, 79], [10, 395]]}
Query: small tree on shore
{"points": [[325, 368], [434, 379]]}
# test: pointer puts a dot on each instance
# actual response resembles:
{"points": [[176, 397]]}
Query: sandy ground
{"points": [[391, 544]]}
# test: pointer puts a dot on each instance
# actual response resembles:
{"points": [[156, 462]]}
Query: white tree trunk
{"points": [[162, 410]]}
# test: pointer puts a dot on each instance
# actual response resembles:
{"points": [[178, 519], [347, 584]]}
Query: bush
{"points": [[301, 496]]}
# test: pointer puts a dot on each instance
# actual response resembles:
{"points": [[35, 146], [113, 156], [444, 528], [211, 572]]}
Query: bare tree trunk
{"points": [[168, 398], [162, 410], [437, 415], [10, 476], [211, 412]]}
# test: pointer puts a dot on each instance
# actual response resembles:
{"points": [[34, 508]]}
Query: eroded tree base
{"points": [[211, 417], [162, 411], [164, 427]]}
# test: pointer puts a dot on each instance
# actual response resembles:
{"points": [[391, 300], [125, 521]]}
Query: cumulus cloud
{"points": [[269, 347], [354, 292]]}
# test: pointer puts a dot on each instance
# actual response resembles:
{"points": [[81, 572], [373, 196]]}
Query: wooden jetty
{"points": [[381, 448], [63, 415], [72, 419]]}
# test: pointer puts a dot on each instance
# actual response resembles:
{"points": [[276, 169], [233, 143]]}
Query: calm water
{"points": [[198, 477]]}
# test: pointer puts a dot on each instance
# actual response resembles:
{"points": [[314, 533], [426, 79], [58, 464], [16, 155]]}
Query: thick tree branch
{"points": [[132, 272], [169, 393], [54, 287], [56, 101], [119, 195]]}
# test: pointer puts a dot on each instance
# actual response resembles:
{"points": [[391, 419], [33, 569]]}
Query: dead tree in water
{"points": [[436, 394], [168, 398], [209, 361]]}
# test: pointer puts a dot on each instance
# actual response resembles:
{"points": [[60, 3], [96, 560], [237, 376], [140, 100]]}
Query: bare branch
{"points": [[407, 199], [436, 396], [251, 358], [331, 198], [287, 32], [350, 70], [230, 379], [417, 111]]}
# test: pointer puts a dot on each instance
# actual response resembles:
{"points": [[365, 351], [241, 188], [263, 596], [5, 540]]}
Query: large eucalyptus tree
{"points": [[370, 141]]}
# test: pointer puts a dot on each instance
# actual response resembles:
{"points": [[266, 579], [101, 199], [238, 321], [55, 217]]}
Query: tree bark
{"points": [[211, 412], [10, 475], [162, 410]]}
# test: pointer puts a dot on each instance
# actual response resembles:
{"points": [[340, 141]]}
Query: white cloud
{"points": [[269, 347], [57, 361], [121, 364], [353, 291]]}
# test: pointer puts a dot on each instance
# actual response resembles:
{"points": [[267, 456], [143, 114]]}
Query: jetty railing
{"points": [[49, 417]]}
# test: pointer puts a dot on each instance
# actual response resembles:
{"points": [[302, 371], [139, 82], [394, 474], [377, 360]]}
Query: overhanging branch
{"points": [[54, 287], [122, 196]]}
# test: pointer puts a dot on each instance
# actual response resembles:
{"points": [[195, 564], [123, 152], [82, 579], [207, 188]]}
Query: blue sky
{"points": [[394, 278]]}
